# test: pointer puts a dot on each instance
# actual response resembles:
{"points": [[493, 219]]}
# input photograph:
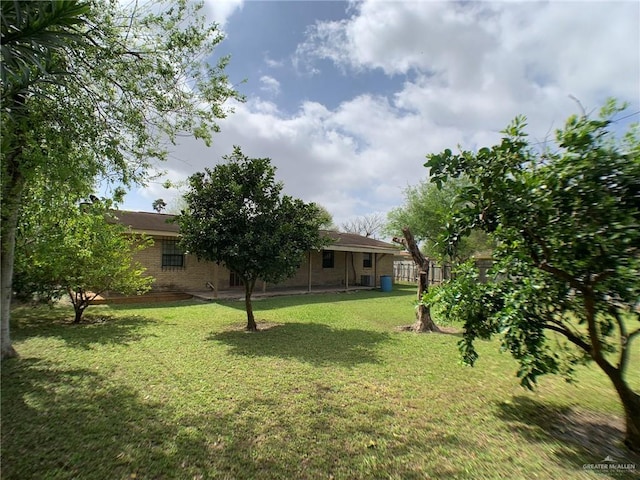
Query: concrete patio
{"points": [[228, 294], [238, 293]]}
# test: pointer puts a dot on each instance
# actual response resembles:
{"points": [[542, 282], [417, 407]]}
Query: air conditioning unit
{"points": [[366, 280]]}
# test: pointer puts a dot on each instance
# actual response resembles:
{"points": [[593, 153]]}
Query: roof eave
{"points": [[362, 249], [155, 233]]}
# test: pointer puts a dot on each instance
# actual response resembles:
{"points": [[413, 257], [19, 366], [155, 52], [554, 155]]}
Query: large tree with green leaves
{"points": [[98, 90], [79, 251], [567, 223], [238, 216], [428, 212], [420, 225]]}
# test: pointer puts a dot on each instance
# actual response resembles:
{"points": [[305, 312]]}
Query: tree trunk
{"points": [[630, 400], [424, 322], [630, 403], [353, 267], [79, 311], [248, 291], [7, 252], [12, 186], [79, 302]]}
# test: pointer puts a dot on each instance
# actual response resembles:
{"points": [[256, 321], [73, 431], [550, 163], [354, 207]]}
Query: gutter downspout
{"points": [[346, 272], [309, 271]]}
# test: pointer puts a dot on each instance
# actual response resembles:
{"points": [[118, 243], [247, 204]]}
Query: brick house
{"points": [[350, 260]]}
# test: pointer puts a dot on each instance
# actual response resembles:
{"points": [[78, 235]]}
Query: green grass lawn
{"points": [[331, 390]]}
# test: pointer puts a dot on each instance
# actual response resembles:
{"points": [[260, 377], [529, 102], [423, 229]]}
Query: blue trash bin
{"points": [[386, 284]]}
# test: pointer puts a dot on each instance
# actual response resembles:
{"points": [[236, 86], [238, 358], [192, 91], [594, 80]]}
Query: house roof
{"points": [[159, 224], [148, 223], [350, 242]]}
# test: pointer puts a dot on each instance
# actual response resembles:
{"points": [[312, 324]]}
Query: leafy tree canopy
{"points": [[567, 225], [78, 251], [326, 219], [428, 212], [98, 90], [238, 216]]}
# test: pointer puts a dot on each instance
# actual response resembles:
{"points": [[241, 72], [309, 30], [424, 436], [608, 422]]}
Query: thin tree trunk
{"points": [[630, 400], [353, 267], [79, 311], [248, 291], [13, 183], [424, 322], [631, 404], [6, 278], [79, 304]]}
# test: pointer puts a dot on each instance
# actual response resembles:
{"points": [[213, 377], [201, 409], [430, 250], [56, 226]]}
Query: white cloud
{"points": [[219, 11], [269, 85], [515, 50], [354, 159], [464, 70], [272, 63], [397, 37]]}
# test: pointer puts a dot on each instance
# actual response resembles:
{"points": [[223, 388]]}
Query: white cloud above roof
{"points": [[394, 81]]}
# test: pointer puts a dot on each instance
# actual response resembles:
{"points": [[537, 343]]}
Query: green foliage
{"points": [[238, 216], [428, 212], [97, 91], [517, 307], [80, 252], [177, 391], [33, 35], [159, 205], [567, 223], [325, 218]]}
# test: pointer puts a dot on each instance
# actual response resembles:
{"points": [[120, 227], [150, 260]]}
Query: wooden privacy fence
{"points": [[407, 271]]}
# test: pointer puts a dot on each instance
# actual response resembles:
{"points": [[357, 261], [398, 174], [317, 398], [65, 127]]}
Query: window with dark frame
{"points": [[328, 258], [172, 255], [235, 280], [367, 260]]}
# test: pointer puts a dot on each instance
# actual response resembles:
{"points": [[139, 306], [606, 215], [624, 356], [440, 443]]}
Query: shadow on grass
{"points": [[70, 423], [588, 437], [313, 343], [153, 305], [66, 423], [97, 328]]}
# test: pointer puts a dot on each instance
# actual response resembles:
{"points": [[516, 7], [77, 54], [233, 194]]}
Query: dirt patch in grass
{"points": [[598, 433], [262, 326], [443, 329]]}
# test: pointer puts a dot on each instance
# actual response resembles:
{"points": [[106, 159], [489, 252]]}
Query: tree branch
{"points": [[596, 344], [545, 264], [570, 336], [598, 277], [632, 336], [410, 244], [561, 274], [564, 326], [624, 339]]}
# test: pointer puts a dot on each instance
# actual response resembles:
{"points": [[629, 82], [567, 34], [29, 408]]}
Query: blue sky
{"points": [[347, 98]]}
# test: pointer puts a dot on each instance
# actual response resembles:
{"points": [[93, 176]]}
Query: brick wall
{"points": [[195, 275], [381, 265]]}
